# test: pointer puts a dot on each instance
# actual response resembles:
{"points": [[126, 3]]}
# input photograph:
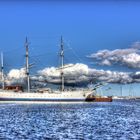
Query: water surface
{"points": [[82, 121]]}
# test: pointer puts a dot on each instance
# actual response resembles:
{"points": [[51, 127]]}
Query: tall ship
{"points": [[16, 93]]}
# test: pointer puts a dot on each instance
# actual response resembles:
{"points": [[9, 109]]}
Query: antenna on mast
{"points": [[62, 63], [2, 71], [27, 64]]}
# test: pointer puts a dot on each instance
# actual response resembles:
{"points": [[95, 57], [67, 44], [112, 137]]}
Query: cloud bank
{"points": [[82, 73], [129, 57], [75, 74]]}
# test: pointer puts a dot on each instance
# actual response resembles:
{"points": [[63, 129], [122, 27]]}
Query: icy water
{"points": [[119, 120]]}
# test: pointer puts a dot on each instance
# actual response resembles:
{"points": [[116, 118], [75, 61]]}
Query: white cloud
{"points": [[69, 70], [111, 76], [106, 62], [131, 60], [129, 57], [17, 73], [16, 76], [82, 73], [74, 74]]}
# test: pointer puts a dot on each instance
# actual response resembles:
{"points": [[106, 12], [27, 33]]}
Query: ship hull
{"points": [[43, 100], [101, 99], [44, 97], [83, 96]]}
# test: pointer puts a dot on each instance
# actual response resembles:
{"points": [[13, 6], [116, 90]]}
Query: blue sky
{"points": [[87, 26]]}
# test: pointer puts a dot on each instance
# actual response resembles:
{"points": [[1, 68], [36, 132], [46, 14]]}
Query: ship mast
{"points": [[121, 91], [62, 64], [2, 70], [27, 64]]}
